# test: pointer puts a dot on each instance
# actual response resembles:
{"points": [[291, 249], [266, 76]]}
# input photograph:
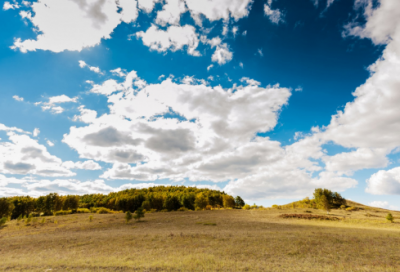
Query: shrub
{"points": [[103, 210], [389, 217], [182, 209], [29, 219], [91, 218], [343, 207], [229, 201], [83, 210], [128, 216], [155, 210], [139, 214], [246, 207], [164, 210], [6, 207], [3, 221], [209, 207], [19, 218], [276, 206], [43, 221], [146, 205], [351, 209], [58, 213]]}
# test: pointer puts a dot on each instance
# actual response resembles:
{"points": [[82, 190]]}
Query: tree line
{"points": [[157, 198]]}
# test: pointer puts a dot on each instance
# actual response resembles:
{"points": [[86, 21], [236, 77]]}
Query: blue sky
{"points": [[263, 99]]}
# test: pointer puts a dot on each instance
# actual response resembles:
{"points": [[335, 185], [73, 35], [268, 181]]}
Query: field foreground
{"points": [[218, 240]]}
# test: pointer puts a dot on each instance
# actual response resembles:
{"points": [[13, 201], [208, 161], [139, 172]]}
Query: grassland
{"points": [[217, 240]]}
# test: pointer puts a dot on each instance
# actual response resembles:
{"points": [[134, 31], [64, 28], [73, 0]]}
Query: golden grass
{"points": [[219, 240]]}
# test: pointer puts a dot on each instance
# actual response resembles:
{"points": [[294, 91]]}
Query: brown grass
{"points": [[308, 216], [221, 240]]}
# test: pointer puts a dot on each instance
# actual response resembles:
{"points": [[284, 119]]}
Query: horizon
{"points": [[267, 100]]}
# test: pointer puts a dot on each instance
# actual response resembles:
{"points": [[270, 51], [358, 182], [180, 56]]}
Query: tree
{"points": [[171, 203], [389, 217], [324, 203], [146, 205], [128, 216], [239, 202], [229, 201], [6, 207], [200, 201], [139, 214]]}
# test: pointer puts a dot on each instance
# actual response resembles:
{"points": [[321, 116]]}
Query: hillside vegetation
{"points": [[284, 238]]}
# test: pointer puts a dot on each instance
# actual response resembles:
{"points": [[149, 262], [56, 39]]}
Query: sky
{"points": [[266, 99]]}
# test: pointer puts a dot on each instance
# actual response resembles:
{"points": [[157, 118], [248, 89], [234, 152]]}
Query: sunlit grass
{"points": [[222, 240]]}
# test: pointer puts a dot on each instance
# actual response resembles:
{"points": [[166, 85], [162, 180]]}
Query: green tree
{"points": [[139, 214], [146, 205], [324, 203], [3, 221], [128, 216], [6, 207], [200, 201], [239, 202], [389, 217], [229, 201]]}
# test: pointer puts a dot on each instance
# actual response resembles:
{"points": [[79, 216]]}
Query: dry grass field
{"points": [[218, 240]]}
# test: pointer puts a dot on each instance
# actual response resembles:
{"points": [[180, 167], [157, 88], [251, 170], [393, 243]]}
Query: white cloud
{"points": [[218, 9], [274, 15], [86, 165], [250, 81], [241, 64], [17, 98], [23, 155], [244, 33], [171, 13], [7, 5], [93, 21], [161, 77], [36, 132], [12, 129], [86, 116], [348, 162], [209, 67], [136, 132], [235, 29], [83, 64], [298, 89], [119, 72], [222, 54], [260, 52], [384, 182], [50, 143], [51, 105], [147, 5], [174, 38]]}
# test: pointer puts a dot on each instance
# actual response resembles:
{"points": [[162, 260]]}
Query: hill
{"points": [[210, 240]]}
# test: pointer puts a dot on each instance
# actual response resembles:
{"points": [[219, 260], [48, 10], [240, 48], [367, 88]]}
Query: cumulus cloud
{"points": [[93, 21], [218, 9], [171, 12], [250, 81], [83, 64], [39, 187], [36, 132], [384, 182], [86, 165], [52, 104], [22, 155], [147, 5], [86, 115], [50, 143], [222, 54], [17, 98], [174, 38], [7, 5], [274, 15]]}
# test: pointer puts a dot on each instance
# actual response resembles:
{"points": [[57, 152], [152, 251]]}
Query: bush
{"points": [[3, 221], [351, 209], [155, 210], [138, 214], [209, 207], [43, 221], [6, 207], [389, 217], [182, 209], [343, 207], [246, 207], [58, 213], [91, 218], [83, 210], [29, 219], [103, 210], [128, 216]]}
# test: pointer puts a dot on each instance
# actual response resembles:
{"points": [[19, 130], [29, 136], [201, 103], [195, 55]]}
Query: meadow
{"points": [[208, 240]]}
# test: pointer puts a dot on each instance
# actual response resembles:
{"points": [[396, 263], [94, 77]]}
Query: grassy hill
{"points": [[216, 240]]}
